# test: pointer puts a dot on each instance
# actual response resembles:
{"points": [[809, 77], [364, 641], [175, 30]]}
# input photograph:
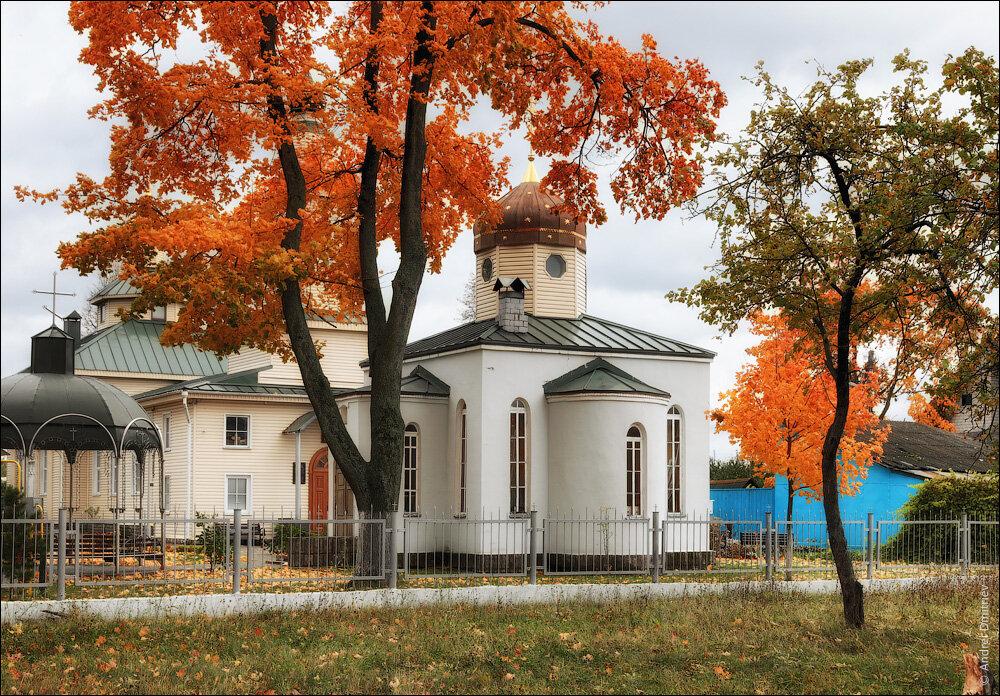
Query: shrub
{"points": [[211, 540], [283, 532], [945, 498], [22, 544]]}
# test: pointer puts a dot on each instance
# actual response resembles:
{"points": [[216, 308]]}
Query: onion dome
{"points": [[50, 408], [529, 215]]}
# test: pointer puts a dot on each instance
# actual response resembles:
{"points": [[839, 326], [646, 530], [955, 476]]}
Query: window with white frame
{"points": [[518, 457], [463, 457], [166, 493], [674, 453], [165, 430], [113, 476], [411, 462], [95, 473], [633, 471], [158, 313], [237, 431], [136, 475], [102, 312], [239, 490]]}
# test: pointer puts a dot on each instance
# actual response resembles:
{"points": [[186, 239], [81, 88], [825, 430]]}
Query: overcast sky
{"points": [[47, 138]]}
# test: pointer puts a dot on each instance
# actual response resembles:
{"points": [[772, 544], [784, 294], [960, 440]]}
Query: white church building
{"points": [[533, 405]]}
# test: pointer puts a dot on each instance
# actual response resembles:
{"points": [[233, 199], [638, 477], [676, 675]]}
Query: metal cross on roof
{"points": [[54, 294]]}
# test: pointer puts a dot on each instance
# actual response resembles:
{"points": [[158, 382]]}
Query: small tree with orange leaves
{"points": [[780, 411]]}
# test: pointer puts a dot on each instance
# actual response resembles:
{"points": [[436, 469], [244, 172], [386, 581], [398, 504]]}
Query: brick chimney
{"points": [[511, 316]]}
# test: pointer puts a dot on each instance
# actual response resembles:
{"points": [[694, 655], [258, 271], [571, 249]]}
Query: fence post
{"points": [[392, 569], [237, 543], [767, 546], [656, 546], [965, 546], [61, 557], [870, 546], [533, 548]]}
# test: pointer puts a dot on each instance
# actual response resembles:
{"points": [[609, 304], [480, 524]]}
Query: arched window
{"points": [[411, 451], [518, 457], [463, 456], [674, 435], [633, 471]]}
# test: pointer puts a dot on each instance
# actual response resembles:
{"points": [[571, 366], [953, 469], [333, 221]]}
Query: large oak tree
{"points": [[261, 152], [858, 218]]}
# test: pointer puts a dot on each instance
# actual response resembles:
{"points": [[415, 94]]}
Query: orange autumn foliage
{"points": [[926, 411], [196, 204], [780, 410]]}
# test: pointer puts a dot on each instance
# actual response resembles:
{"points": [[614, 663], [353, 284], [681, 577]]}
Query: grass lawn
{"points": [[742, 643]]}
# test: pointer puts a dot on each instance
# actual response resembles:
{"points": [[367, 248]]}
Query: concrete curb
{"points": [[128, 608]]}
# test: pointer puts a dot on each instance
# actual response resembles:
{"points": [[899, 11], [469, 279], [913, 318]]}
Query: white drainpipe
{"points": [[297, 471], [190, 464]]}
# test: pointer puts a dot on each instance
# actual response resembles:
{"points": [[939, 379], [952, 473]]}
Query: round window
{"points": [[555, 266], [487, 269]]}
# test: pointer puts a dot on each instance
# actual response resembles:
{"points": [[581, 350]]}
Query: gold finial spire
{"points": [[531, 176]]}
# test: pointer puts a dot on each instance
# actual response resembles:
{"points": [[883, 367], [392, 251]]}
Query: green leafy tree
{"points": [[946, 498], [861, 220], [20, 544]]}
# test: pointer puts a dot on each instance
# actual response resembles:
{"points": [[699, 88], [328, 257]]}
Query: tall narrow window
{"points": [[113, 477], [633, 471], [95, 474], [165, 431], [411, 450], [518, 457], [674, 434], [166, 493], [463, 458]]}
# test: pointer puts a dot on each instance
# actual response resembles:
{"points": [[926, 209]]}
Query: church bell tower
{"points": [[534, 240]]}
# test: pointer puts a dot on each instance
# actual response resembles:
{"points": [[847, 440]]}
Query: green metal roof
{"points": [[585, 333], [600, 376], [115, 288], [420, 382], [134, 346], [245, 382]]}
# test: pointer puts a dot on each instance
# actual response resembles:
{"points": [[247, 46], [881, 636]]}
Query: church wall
{"points": [[689, 384], [487, 302], [463, 372], [587, 468], [557, 297], [505, 375]]}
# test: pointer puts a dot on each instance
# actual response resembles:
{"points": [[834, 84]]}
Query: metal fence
{"points": [[173, 555]]}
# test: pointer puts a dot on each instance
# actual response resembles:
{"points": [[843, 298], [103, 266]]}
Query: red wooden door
{"points": [[319, 485]]}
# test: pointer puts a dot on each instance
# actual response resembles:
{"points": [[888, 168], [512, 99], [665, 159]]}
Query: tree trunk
{"points": [[851, 591]]}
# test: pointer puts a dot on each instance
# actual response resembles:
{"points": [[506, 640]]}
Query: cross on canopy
{"points": [[54, 294]]}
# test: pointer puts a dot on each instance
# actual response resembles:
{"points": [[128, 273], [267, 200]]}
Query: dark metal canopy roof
{"points": [[585, 334], [600, 376], [50, 408]]}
